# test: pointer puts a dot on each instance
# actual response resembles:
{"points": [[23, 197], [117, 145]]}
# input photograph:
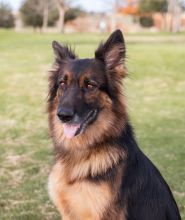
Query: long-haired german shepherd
{"points": [[99, 172]]}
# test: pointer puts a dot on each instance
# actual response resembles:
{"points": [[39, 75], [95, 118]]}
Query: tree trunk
{"points": [[175, 11], [61, 9], [45, 16], [114, 15]]}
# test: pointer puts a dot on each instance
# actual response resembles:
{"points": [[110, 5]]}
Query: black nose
{"points": [[65, 114]]}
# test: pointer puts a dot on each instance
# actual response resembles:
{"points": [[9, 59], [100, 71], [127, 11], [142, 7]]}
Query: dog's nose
{"points": [[65, 114]]}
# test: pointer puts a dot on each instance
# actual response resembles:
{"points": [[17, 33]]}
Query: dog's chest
{"points": [[81, 200]]}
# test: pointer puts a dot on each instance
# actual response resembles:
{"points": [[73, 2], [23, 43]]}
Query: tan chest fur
{"points": [[82, 200]]}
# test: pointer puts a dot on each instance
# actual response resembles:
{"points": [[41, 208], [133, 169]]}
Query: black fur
{"points": [[144, 191], [147, 194], [144, 194]]}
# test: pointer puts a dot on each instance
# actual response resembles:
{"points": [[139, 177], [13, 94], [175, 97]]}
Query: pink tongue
{"points": [[70, 130]]}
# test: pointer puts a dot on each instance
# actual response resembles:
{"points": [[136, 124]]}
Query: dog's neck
{"points": [[92, 162]]}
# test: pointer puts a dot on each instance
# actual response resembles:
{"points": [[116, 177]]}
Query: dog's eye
{"points": [[63, 84], [90, 87]]}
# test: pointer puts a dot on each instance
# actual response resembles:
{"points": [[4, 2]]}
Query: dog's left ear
{"points": [[112, 53]]}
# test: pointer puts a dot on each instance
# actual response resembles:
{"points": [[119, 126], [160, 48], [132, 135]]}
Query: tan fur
{"points": [[85, 200], [75, 197], [93, 162]]}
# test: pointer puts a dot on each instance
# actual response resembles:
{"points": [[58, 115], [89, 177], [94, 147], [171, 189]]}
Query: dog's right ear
{"points": [[62, 53], [112, 54]]}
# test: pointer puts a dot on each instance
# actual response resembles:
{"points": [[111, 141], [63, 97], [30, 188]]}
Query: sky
{"points": [[89, 5]]}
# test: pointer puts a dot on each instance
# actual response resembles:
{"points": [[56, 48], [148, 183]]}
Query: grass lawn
{"points": [[156, 102]]}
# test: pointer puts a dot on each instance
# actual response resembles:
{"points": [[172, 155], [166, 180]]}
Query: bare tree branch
{"points": [[62, 6]]}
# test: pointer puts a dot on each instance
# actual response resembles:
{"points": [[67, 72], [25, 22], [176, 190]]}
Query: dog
{"points": [[99, 172]]}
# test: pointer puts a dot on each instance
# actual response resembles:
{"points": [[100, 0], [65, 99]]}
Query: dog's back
{"points": [[146, 192]]}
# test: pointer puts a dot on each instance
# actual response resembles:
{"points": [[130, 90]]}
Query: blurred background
{"points": [[93, 16], [154, 32]]}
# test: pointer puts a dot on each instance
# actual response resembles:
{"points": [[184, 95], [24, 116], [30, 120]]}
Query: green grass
{"points": [[155, 90]]}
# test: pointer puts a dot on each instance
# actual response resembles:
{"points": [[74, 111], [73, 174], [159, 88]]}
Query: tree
{"points": [[38, 13], [146, 21], [148, 6], [45, 14], [174, 8], [6, 16], [115, 6], [72, 13], [62, 8], [32, 13], [66, 13]]}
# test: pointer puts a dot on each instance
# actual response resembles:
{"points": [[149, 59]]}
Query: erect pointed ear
{"points": [[112, 53], [62, 52]]}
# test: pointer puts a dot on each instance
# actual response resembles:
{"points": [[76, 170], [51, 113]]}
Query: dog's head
{"points": [[85, 97]]}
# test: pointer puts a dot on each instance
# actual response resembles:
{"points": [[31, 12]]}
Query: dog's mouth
{"points": [[72, 130]]}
